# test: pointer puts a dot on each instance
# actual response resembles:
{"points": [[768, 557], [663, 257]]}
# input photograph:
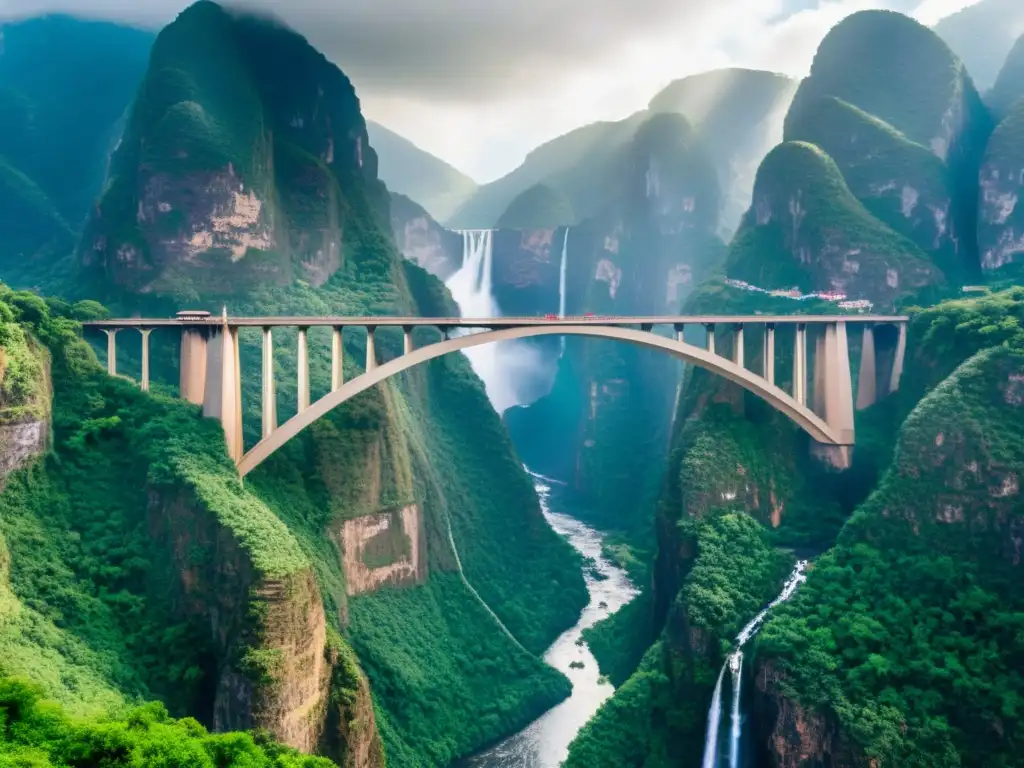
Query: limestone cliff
{"points": [[230, 171], [25, 389], [1000, 222]]}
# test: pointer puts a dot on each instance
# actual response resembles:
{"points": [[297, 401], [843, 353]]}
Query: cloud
{"points": [[480, 83]]}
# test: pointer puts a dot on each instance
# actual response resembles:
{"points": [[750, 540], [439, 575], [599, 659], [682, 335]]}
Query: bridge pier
{"points": [[269, 392], [800, 365], [737, 344], [144, 381], [223, 394], [867, 378], [337, 353], [407, 345], [897, 363], [710, 341], [833, 391], [303, 370], [768, 353], [192, 374], [371, 352], [111, 350]]}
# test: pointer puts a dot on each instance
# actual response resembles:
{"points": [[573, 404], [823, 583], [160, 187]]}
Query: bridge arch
{"points": [[800, 414]]}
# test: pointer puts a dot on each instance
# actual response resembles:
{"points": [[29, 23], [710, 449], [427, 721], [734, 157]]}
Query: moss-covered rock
{"points": [[806, 229]]}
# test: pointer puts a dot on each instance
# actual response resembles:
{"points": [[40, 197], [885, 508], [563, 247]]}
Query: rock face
{"points": [[25, 389], [806, 229], [1001, 216], [798, 737], [229, 173], [896, 70]]}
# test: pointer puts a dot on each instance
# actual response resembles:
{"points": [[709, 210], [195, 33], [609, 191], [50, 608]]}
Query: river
{"points": [[544, 743]]}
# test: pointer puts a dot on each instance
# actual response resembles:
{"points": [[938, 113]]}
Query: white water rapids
{"points": [[735, 664]]}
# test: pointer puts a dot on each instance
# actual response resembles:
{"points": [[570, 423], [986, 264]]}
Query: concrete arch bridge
{"points": [[211, 374]]}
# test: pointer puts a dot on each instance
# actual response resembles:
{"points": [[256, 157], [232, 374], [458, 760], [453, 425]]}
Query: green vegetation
{"points": [[39, 734], [909, 632], [538, 207], [1009, 85]]}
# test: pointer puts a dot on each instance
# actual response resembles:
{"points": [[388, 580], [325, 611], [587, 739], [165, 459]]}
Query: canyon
{"points": [[674, 578]]}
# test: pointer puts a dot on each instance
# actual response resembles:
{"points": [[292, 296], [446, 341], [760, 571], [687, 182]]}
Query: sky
{"points": [[480, 83]]}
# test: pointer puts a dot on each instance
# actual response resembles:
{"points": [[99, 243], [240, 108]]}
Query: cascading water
{"points": [[735, 664]]}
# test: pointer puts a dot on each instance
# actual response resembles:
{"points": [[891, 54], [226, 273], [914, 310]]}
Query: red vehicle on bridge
{"points": [[550, 317]]}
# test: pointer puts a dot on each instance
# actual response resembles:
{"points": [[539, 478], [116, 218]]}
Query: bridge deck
{"points": [[487, 322]]}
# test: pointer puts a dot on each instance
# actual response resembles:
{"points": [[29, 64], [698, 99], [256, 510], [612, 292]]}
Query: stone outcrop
{"points": [[1001, 216]]}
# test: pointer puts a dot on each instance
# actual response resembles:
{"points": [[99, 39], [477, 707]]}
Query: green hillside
{"points": [[417, 174]]}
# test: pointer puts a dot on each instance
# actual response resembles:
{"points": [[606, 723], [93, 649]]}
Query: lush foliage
{"points": [[37, 733], [909, 632]]}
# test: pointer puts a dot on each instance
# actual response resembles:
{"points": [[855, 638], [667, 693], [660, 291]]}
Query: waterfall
{"points": [[506, 368], [735, 664], [714, 715]]}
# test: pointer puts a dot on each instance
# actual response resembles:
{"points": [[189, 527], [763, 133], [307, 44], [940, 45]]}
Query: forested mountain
{"points": [[413, 172], [982, 34], [65, 86]]}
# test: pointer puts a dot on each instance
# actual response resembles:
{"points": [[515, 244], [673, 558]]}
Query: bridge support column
{"points": [[269, 395], [111, 350], [144, 382], [867, 378], [897, 363], [192, 381], [834, 391], [737, 345], [222, 399], [768, 353], [337, 354], [371, 352], [710, 342], [407, 346], [800, 365], [303, 370], [679, 333]]}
